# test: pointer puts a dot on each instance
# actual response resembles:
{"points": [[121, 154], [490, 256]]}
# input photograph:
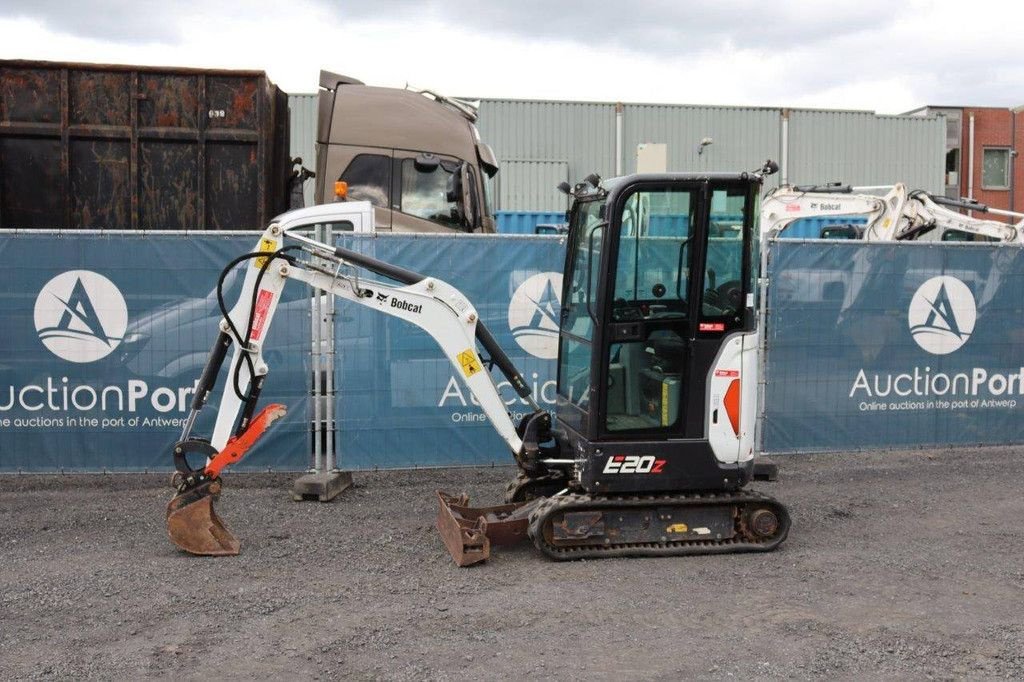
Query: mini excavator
{"points": [[653, 444]]}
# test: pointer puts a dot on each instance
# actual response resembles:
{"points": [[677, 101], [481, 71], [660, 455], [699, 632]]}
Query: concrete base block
{"points": [[324, 487]]}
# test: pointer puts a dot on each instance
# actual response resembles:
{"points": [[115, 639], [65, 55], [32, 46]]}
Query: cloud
{"points": [[666, 27], [121, 21]]}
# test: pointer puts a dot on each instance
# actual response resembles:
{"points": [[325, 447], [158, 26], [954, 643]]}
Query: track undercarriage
{"points": [[576, 525]]}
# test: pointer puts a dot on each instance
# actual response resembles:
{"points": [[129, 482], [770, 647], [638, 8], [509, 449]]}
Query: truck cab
{"points": [[348, 216], [416, 156]]}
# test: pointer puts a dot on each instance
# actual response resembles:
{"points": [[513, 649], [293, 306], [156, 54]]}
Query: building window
{"points": [[953, 167], [369, 179], [995, 169]]}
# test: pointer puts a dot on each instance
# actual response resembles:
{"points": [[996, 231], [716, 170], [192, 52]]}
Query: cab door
{"points": [[368, 172], [675, 311], [651, 295], [432, 193], [576, 395]]}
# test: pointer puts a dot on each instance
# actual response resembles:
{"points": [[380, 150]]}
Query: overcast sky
{"points": [[883, 55]]}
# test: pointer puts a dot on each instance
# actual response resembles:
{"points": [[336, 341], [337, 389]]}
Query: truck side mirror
{"points": [[456, 193], [453, 190], [468, 199]]}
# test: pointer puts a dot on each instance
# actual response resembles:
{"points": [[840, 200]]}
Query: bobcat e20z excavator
{"points": [[657, 378]]}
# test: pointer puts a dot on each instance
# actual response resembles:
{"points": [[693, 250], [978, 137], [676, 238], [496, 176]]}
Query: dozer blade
{"points": [[194, 526], [468, 532]]}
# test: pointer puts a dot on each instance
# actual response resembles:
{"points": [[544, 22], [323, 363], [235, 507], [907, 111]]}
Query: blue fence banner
{"points": [[399, 401], [887, 345], [103, 338], [869, 345]]}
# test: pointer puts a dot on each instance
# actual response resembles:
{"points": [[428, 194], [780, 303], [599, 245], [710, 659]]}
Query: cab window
{"points": [[653, 270], [369, 179], [723, 271]]}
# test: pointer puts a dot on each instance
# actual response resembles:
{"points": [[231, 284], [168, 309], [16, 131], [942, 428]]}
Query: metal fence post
{"points": [[315, 352], [762, 331], [324, 481], [331, 463]]}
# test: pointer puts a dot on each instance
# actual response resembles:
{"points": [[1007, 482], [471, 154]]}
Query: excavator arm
{"points": [[434, 306], [926, 213], [898, 215]]}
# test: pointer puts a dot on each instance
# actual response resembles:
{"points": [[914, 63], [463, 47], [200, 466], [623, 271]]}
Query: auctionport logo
{"points": [[81, 316], [942, 315], [533, 314]]}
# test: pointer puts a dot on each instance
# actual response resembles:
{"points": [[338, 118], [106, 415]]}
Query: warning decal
{"points": [[259, 316], [266, 246], [470, 363]]}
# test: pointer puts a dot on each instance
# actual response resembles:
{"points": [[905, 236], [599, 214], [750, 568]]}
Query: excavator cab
{"points": [[657, 383], [658, 344]]}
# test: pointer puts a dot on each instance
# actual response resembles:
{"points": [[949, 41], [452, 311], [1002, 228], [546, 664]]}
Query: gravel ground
{"points": [[898, 565]]}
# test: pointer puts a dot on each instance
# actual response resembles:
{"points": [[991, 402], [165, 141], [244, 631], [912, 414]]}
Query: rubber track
{"points": [[741, 542]]}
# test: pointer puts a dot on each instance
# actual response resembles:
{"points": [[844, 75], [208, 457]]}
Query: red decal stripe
{"points": [[259, 316]]}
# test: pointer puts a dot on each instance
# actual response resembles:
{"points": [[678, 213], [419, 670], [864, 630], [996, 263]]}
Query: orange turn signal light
{"points": [[341, 189]]}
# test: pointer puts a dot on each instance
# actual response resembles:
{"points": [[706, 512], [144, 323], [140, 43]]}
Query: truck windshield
{"points": [[425, 194]]}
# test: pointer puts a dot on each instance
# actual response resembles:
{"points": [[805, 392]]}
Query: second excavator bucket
{"points": [[468, 532], [194, 526]]}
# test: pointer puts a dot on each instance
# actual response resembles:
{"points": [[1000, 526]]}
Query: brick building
{"points": [[982, 153]]}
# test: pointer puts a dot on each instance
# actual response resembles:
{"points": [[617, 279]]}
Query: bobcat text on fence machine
{"points": [[657, 378]]}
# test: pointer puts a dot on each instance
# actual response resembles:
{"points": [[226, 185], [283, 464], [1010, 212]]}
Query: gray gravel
{"points": [[901, 565]]}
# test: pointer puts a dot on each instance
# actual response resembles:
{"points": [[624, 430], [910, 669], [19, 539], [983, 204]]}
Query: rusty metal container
{"points": [[136, 147]]}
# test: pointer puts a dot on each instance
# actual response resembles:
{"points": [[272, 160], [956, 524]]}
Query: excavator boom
{"points": [[429, 303]]}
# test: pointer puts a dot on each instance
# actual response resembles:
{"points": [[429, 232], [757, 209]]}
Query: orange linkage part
{"points": [[237, 447]]}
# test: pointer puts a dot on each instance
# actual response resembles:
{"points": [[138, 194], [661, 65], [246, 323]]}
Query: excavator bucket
{"points": [[468, 532], [192, 523], [194, 526]]}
